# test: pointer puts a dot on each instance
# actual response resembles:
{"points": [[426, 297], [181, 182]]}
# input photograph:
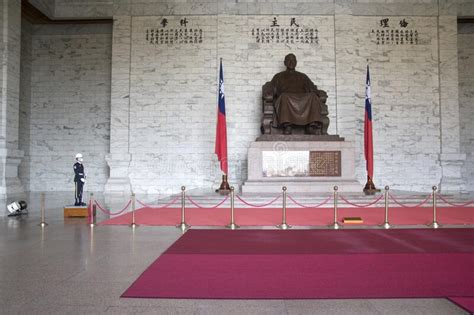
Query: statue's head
{"points": [[290, 61]]}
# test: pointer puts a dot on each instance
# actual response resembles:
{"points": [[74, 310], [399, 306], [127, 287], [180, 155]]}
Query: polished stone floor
{"points": [[69, 268]]}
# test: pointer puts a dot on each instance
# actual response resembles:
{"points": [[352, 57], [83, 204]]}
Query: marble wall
{"points": [[405, 98], [10, 45], [109, 8], [25, 102], [466, 99], [70, 108], [157, 101], [173, 92], [47, 7], [85, 8]]}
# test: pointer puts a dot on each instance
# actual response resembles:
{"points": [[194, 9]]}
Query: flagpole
{"points": [[224, 187], [369, 188]]}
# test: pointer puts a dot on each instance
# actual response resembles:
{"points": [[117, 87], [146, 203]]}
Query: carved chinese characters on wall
{"points": [[394, 31], [170, 33], [288, 31]]}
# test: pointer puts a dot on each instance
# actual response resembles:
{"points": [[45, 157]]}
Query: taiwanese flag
{"points": [[221, 130], [368, 145]]}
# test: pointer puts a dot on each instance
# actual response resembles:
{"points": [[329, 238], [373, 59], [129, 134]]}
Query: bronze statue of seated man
{"points": [[296, 102]]}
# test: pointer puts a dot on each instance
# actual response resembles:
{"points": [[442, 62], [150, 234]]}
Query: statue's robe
{"points": [[297, 101]]}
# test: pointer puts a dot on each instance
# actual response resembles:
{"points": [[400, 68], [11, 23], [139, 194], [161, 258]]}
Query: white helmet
{"points": [[79, 157]]}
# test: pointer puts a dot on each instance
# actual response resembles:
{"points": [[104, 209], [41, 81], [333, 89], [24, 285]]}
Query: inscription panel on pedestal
{"points": [[301, 163], [325, 163], [285, 163]]}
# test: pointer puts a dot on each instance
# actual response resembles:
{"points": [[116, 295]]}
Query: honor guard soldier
{"points": [[79, 179]]}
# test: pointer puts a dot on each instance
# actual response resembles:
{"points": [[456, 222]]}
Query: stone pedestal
{"points": [[11, 185], [452, 180], [273, 164], [119, 180]]}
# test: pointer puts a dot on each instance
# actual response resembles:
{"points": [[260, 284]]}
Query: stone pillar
{"points": [[119, 157], [10, 155], [451, 158]]}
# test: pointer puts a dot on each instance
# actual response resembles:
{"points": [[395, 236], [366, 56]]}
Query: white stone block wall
{"points": [[47, 7], [172, 111], [466, 100], [451, 158], [174, 101], [70, 110], [108, 8], [10, 49], [174, 94], [10, 45], [119, 158], [25, 101], [84, 8], [405, 100], [166, 139], [248, 65]]}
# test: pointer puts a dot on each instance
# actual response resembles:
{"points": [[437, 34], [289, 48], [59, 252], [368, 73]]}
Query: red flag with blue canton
{"points": [[368, 145], [221, 130]]}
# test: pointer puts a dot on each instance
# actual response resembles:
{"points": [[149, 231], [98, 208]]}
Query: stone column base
{"points": [[10, 182], [451, 164], [119, 180]]}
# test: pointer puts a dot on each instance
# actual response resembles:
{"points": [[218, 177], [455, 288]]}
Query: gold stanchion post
{"points": [[386, 224], [284, 225], [91, 243], [435, 223], [183, 226], [91, 211], [133, 224], [42, 209], [232, 224], [335, 225]]}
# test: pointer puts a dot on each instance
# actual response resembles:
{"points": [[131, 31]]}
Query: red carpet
{"points": [[466, 303], [295, 216], [304, 264]]}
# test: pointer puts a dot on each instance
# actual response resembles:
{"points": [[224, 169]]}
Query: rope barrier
{"points": [[361, 206], [172, 202], [258, 206], [405, 206], [201, 207], [456, 205], [278, 197], [315, 206], [111, 213]]}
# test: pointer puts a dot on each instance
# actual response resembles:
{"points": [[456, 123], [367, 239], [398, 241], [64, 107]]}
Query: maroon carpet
{"points": [[304, 264], [466, 303]]}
